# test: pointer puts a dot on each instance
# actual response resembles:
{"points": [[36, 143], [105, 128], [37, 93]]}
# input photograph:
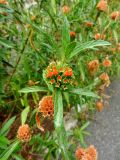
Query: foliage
{"points": [[75, 46]]}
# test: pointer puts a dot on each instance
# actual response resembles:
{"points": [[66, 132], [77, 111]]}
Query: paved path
{"points": [[106, 130]]}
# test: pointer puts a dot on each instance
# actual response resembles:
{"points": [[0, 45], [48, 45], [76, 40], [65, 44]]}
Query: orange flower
{"points": [[115, 15], [107, 62], [99, 36], [68, 72], [105, 78], [46, 106], [3, 2], [88, 24], [73, 34], [92, 152], [99, 106], [24, 133], [66, 9], [93, 66], [102, 5], [80, 152], [89, 153]]}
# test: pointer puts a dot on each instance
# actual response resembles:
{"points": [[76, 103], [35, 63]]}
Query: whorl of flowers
{"points": [[46, 106], [93, 66], [89, 153], [102, 5], [24, 133], [59, 76]]}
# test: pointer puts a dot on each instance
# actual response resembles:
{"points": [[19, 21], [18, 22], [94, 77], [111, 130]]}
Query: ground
{"points": [[106, 128]]}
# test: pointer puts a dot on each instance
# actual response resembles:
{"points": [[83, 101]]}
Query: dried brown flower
{"points": [[115, 15], [105, 78], [93, 66], [99, 106]]}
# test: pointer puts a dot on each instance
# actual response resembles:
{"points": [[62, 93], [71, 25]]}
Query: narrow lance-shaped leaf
{"points": [[24, 114], [88, 45], [7, 125], [6, 43], [65, 34], [83, 92], [53, 4], [6, 154], [58, 109], [59, 125], [33, 89]]}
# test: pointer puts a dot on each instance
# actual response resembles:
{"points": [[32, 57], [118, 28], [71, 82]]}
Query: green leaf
{"points": [[65, 34], [4, 142], [33, 89], [70, 48], [6, 126], [85, 126], [58, 122], [58, 109], [7, 153], [6, 43], [88, 45], [83, 92], [24, 114], [53, 4]]}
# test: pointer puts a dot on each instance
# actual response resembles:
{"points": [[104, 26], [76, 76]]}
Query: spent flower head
{"points": [[102, 5], [24, 133]]}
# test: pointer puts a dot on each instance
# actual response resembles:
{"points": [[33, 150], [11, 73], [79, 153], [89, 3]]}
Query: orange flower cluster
{"points": [[93, 66], [115, 15], [88, 24], [99, 106], [66, 9], [107, 62], [102, 5], [60, 77], [24, 133], [3, 2], [86, 154], [99, 36], [105, 78], [72, 34], [46, 106]]}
